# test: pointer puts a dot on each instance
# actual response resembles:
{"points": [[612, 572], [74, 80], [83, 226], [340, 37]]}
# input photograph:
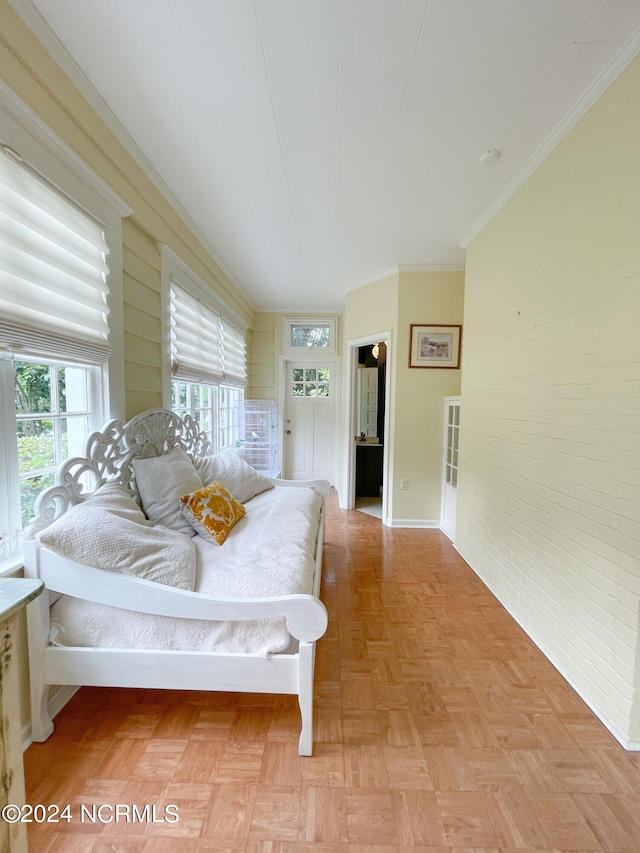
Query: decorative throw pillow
{"points": [[96, 537], [212, 511], [161, 480], [232, 471]]}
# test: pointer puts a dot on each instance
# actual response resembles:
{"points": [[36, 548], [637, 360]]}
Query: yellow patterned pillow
{"points": [[212, 511]]}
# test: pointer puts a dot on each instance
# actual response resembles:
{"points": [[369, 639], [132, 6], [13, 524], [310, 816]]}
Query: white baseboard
{"points": [[57, 702], [421, 523]]}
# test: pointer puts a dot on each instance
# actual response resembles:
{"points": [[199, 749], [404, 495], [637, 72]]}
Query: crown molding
{"points": [[588, 99], [431, 268], [52, 44]]}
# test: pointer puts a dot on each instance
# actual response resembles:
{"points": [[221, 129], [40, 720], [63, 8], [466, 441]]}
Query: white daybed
{"points": [[248, 621]]}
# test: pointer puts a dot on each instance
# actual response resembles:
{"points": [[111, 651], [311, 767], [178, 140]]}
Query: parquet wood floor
{"points": [[439, 727]]}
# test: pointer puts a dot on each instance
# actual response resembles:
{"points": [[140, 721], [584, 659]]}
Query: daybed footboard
{"points": [[289, 672]]}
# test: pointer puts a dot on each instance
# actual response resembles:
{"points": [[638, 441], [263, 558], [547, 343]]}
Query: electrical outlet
{"points": [[404, 484]]}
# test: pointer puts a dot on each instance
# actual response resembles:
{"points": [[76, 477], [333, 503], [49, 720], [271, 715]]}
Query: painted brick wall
{"points": [[549, 487]]}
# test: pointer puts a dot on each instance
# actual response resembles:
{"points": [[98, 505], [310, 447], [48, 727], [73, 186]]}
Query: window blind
{"points": [[234, 355], [53, 273], [195, 339]]}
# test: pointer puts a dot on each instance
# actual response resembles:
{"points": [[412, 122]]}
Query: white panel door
{"points": [[450, 466], [368, 400], [309, 420]]}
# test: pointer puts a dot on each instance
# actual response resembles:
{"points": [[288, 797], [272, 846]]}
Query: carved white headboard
{"points": [[108, 456]]}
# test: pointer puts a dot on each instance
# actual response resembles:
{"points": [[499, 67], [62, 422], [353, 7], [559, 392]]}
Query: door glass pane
{"points": [[310, 374], [298, 374], [297, 389]]}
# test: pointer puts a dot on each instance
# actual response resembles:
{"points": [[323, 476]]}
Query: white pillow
{"points": [[161, 480], [228, 468], [97, 537], [119, 501]]}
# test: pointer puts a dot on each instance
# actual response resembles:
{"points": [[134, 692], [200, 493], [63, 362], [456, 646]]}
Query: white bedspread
{"points": [[269, 552]]}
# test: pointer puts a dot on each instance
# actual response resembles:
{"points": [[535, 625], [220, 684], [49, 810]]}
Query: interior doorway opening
{"points": [[368, 397]]}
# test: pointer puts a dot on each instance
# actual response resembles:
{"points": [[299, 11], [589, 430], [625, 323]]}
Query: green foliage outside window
{"points": [[36, 450]]}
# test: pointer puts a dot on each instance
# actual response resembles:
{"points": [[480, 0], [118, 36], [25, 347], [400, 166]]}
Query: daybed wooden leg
{"points": [[305, 697], [38, 628]]}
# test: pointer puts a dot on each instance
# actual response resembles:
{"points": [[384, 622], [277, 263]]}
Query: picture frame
{"points": [[435, 345]]}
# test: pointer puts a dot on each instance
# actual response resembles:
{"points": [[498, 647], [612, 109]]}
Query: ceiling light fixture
{"points": [[490, 156]]}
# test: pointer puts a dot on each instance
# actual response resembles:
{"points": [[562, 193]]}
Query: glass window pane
{"points": [[74, 433], [33, 388], [310, 390], [323, 389], [298, 374], [73, 389], [323, 374], [310, 336], [36, 448], [310, 374], [29, 491], [296, 389]]}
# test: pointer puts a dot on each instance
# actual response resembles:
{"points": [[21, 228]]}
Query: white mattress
{"points": [[269, 552]]}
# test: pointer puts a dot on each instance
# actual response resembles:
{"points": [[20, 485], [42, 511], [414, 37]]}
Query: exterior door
{"points": [[450, 466], [310, 420]]}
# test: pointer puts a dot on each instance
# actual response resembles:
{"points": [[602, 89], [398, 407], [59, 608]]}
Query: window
{"points": [[315, 335], [211, 406], [207, 349], [53, 411], [61, 361]]}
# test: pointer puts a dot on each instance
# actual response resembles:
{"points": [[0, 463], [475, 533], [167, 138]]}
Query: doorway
{"points": [[367, 394]]}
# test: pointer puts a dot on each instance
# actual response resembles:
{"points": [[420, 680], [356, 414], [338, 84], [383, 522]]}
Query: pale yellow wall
{"points": [[29, 70], [416, 410], [264, 345], [549, 482], [423, 298]]}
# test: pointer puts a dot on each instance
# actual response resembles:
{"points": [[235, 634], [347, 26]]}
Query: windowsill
{"points": [[12, 567]]}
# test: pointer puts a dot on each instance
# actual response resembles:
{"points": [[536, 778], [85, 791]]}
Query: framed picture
{"points": [[435, 346]]}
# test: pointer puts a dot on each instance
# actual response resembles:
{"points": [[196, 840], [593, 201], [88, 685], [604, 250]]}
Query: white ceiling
{"points": [[319, 144]]}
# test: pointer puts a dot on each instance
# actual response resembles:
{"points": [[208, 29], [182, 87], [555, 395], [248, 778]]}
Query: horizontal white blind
{"points": [[53, 273], [195, 339], [234, 355]]}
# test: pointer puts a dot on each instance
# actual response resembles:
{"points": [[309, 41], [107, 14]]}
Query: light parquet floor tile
{"points": [[439, 727]]}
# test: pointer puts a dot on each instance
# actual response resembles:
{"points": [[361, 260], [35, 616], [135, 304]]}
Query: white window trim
{"points": [[174, 269], [301, 353]]}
